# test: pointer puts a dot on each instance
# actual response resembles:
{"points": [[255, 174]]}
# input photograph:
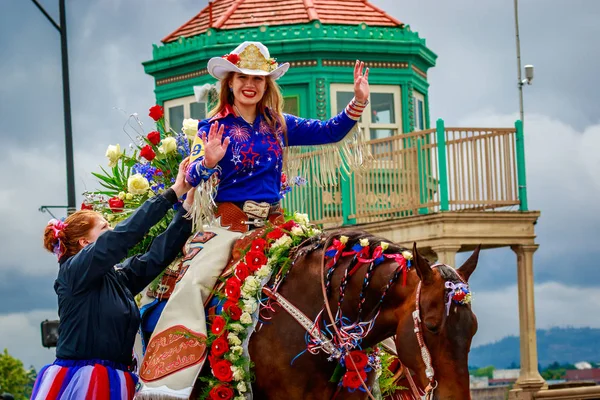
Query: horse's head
{"points": [[446, 327]]}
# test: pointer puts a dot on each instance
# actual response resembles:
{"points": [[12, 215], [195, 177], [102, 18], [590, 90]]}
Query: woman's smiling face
{"points": [[248, 90]]}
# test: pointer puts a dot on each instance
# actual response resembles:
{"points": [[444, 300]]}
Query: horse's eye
{"points": [[432, 328]]}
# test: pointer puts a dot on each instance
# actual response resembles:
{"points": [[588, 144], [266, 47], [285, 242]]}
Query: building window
{"points": [[381, 118], [419, 111], [291, 105], [177, 110]]}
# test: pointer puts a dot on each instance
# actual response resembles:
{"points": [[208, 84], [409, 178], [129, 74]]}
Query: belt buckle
{"points": [[256, 211]]}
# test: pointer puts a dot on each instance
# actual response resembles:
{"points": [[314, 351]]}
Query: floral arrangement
{"points": [[145, 169], [265, 256]]}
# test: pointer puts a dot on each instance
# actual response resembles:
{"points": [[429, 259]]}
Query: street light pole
{"points": [[519, 59], [62, 29]]}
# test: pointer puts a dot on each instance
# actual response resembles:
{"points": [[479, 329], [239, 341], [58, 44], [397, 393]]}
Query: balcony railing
{"points": [[424, 172]]}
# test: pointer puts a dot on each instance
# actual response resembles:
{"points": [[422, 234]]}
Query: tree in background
{"points": [[485, 371], [556, 371], [15, 379]]}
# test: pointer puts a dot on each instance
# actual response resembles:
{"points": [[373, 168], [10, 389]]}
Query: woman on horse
{"points": [[241, 146], [98, 314]]}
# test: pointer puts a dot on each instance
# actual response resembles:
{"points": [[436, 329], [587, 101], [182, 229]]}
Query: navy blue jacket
{"points": [[98, 314]]}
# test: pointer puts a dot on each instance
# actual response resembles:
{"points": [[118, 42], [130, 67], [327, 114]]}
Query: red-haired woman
{"points": [[98, 314]]}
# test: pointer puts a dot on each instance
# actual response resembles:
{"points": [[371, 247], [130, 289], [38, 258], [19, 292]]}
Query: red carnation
{"points": [[232, 289], [219, 346], [222, 371], [459, 296], [289, 225], [232, 308], [116, 204], [147, 153], [220, 392], [242, 271], [360, 360], [255, 260], [258, 245], [156, 112], [218, 325], [154, 137], [87, 206], [275, 234], [233, 58], [352, 379]]}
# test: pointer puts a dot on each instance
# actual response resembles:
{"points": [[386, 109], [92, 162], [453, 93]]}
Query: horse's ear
{"points": [[468, 267], [422, 266]]}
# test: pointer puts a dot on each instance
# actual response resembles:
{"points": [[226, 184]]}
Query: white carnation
{"points": [[241, 387], [251, 286], [246, 318], [236, 327], [238, 373], [301, 218], [250, 305], [233, 339], [284, 241], [237, 350], [297, 231]]}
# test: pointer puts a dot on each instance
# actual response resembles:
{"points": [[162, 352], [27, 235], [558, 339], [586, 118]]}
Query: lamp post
{"points": [[528, 68], [62, 29]]}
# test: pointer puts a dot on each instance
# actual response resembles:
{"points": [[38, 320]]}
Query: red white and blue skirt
{"points": [[84, 380]]}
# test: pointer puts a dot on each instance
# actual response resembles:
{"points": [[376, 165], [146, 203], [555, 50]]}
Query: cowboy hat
{"points": [[250, 58]]}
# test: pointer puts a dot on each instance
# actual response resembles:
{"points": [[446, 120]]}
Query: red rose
{"points": [[232, 308], [154, 137], [219, 346], [87, 206], [360, 360], [147, 153], [289, 225], [275, 234], [232, 289], [233, 58], [258, 245], [255, 260], [283, 178], [352, 379], [156, 112], [116, 204], [242, 271], [220, 392], [222, 371], [218, 325]]}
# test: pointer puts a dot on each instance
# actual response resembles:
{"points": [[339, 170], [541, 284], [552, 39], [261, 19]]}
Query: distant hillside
{"points": [[565, 345]]}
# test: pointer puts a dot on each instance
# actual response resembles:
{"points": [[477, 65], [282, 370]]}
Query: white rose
{"points": [[246, 318], [250, 305], [121, 195], [407, 255], [238, 373], [237, 350], [251, 286], [169, 145], [301, 218], [364, 242], [284, 241], [263, 271], [129, 196], [297, 231], [233, 339], [113, 153], [137, 184], [241, 387], [190, 127], [236, 327]]}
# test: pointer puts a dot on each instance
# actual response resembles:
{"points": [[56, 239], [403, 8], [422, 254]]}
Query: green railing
{"points": [[435, 170]]}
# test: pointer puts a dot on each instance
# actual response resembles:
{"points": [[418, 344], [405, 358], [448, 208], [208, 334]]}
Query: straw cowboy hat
{"points": [[250, 58]]}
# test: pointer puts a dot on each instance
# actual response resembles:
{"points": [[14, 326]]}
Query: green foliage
{"points": [[485, 371], [15, 379], [556, 371], [387, 385]]}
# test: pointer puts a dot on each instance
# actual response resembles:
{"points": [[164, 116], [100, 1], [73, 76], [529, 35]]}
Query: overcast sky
{"points": [[473, 84]]}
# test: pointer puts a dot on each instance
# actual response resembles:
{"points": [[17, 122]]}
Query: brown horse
{"points": [[446, 334]]}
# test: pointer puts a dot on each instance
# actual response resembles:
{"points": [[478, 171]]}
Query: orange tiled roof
{"points": [[233, 14]]}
